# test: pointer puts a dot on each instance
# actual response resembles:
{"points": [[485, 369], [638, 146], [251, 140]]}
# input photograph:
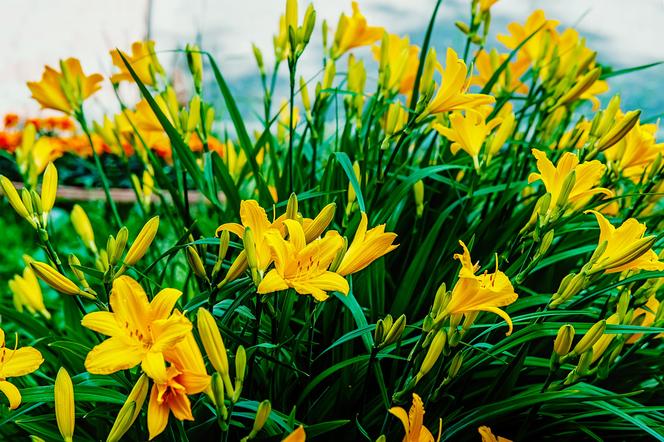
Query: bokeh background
{"points": [[38, 32]]}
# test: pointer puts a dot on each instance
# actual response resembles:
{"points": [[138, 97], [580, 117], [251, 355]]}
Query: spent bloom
{"points": [[136, 327], [64, 90], [413, 422], [14, 363]]}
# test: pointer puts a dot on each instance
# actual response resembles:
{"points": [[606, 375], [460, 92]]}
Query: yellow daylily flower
{"points": [[636, 152], [367, 246], [474, 293], [453, 92], [413, 422], [27, 291], [645, 317], [587, 175], [538, 46], [66, 90], [353, 32], [509, 81], [14, 363], [402, 60], [302, 266], [186, 375], [485, 5], [626, 247], [469, 132], [488, 436], [254, 217], [143, 61], [136, 327]]}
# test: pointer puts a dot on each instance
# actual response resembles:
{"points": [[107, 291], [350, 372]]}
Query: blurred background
{"points": [[38, 32]]}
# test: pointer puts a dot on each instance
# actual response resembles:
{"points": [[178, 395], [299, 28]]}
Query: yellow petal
{"points": [[114, 354], [19, 362], [163, 303], [12, 393], [102, 322]]}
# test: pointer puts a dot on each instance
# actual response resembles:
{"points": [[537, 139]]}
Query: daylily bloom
{"points": [[537, 47], [485, 5], [353, 32], [468, 132], [626, 248], [413, 422], [636, 152], [644, 317], [253, 216], [473, 293], [587, 175], [509, 81], [402, 59], [367, 246], [302, 266], [27, 291], [453, 92], [143, 61], [299, 435], [14, 363], [488, 436], [136, 327], [64, 91], [186, 375]]}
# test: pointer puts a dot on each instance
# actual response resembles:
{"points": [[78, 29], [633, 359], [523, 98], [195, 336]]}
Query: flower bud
{"points": [[240, 368], [56, 280], [212, 341], [564, 339], [141, 243], [435, 348], [14, 200], [292, 207], [64, 404], [195, 262], [130, 409], [418, 193], [590, 338], [49, 188], [83, 227], [316, 228], [618, 131]]}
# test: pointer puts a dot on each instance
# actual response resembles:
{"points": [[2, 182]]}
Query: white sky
{"points": [[38, 32]]}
